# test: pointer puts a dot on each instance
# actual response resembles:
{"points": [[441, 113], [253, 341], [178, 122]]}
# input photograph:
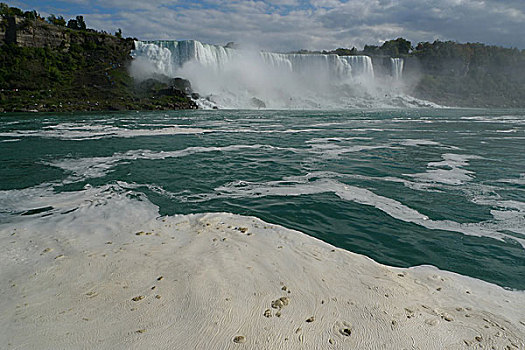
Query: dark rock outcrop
{"points": [[181, 84]]}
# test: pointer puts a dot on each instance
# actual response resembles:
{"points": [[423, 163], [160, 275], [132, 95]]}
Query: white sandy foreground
{"points": [[220, 281]]}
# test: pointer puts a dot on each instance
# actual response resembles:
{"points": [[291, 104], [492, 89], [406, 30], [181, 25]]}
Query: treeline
{"points": [[455, 74], [77, 23], [6, 11], [469, 75]]}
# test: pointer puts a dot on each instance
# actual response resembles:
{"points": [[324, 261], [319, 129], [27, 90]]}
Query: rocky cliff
{"points": [[46, 67]]}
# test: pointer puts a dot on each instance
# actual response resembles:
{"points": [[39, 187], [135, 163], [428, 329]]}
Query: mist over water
{"points": [[248, 78]]}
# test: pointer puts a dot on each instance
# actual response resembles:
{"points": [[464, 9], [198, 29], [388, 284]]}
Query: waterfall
{"points": [[234, 78], [397, 65], [362, 65], [168, 57]]}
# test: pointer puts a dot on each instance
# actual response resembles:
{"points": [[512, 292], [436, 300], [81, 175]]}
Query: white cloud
{"points": [[285, 25]]}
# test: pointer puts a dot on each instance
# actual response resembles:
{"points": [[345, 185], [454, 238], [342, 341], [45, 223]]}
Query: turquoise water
{"points": [[404, 187]]}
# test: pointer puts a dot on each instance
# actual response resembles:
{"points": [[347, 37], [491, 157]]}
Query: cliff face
{"points": [[33, 33], [46, 67], [39, 34]]}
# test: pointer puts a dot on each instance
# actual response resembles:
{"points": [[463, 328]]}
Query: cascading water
{"points": [[169, 57], [233, 78], [397, 65]]}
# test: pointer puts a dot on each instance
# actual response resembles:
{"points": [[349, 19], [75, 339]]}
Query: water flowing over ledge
{"points": [[238, 78]]}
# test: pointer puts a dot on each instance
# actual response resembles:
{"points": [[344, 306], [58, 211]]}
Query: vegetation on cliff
{"points": [[469, 75], [454, 74], [59, 67]]}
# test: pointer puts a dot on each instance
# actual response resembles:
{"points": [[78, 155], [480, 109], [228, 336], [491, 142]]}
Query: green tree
{"points": [[33, 15], [73, 24], [396, 47], [6, 11], [81, 23], [58, 21]]}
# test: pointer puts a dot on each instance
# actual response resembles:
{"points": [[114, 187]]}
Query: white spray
{"points": [[233, 78]]}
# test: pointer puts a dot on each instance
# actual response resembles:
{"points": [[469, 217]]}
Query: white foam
{"points": [[93, 167], [512, 119], [518, 181], [330, 150], [448, 171], [11, 140], [78, 131], [363, 196], [336, 139], [65, 210], [70, 280]]}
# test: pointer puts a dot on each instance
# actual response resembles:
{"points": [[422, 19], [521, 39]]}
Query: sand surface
{"points": [[220, 281]]}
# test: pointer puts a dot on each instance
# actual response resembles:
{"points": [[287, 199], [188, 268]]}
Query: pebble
{"points": [[138, 298], [310, 319]]}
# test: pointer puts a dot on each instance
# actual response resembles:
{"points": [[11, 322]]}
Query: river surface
{"points": [[442, 187]]}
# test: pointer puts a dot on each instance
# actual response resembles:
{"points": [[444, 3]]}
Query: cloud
{"points": [[284, 25]]}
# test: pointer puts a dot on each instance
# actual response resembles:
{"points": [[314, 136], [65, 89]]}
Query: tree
{"points": [[77, 24], [6, 11], [371, 49], [396, 47], [81, 23], [73, 24], [58, 21], [118, 33], [33, 15]]}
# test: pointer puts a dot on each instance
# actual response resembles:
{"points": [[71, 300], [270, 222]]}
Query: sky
{"points": [[286, 25]]}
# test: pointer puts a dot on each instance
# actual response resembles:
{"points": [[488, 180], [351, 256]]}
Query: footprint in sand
{"points": [[345, 331], [447, 317], [92, 294], [344, 328], [280, 303], [239, 339]]}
